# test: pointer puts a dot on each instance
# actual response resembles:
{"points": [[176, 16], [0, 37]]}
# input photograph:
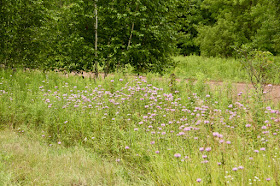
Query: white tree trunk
{"points": [[96, 38]]}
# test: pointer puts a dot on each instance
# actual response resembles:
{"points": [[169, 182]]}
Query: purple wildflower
{"points": [[208, 149], [264, 127], [177, 155], [201, 149], [247, 125]]}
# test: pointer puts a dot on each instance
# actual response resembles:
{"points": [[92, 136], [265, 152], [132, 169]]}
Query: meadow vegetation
{"points": [[219, 69], [146, 131], [25, 159], [62, 129]]}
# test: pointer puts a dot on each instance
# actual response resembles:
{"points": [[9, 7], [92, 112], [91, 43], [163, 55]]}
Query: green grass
{"points": [[218, 69], [141, 123], [26, 159]]}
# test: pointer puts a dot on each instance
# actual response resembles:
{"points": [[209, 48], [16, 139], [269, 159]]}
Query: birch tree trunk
{"points": [[96, 39]]}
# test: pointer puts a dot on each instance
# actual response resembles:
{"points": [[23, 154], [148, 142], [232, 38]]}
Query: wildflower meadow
{"points": [[180, 133]]}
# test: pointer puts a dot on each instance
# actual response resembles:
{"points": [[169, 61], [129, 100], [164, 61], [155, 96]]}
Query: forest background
{"points": [[87, 35]]}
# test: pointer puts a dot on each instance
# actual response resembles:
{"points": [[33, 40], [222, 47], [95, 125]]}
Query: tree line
{"points": [[76, 35]]}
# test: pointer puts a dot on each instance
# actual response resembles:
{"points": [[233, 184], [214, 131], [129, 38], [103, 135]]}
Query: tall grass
{"points": [[219, 69], [179, 134]]}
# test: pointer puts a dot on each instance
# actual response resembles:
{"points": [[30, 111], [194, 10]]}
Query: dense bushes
{"points": [[255, 23], [61, 34]]}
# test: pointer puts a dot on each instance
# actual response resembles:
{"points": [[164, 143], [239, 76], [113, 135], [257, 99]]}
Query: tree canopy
{"points": [[58, 34]]}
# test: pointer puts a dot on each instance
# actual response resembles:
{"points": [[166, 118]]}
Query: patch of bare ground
{"points": [[271, 92]]}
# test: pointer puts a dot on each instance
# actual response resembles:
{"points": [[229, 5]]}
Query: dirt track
{"points": [[273, 92]]}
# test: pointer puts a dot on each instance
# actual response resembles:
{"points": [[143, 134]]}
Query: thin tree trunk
{"points": [[132, 28], [96, 39], [106, 70], [130, 37]]}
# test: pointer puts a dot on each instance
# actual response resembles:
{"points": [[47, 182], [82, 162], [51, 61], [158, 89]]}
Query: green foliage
{"points": [[267, 15], [210, 45], [260, 66], [248, 22], [187, 15], [233, 27], [68, 49], [60, 34], [20, 33], [137, 33]]}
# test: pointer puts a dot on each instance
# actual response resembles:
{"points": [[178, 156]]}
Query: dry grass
{"points": [[24, 161]]}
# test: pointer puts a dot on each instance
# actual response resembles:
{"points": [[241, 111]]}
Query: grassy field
{"points": [[25, 159], [141, 131], [218, 69]]}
